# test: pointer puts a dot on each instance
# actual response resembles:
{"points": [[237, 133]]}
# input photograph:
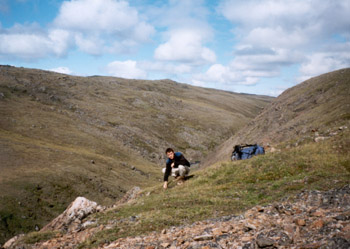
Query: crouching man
{"points": [[176, 165]]}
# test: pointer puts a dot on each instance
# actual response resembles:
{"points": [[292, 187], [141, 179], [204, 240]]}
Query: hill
{"points": [[314, 108], [297, 196], [65, 136]]}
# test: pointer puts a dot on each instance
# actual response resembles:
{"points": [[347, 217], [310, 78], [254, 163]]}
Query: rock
{"points": [[318, 224], [203, 237], [300, 222], [264, 241], [319, 139], [338, 243], [11, 242], [165, 245], [73, 215]]}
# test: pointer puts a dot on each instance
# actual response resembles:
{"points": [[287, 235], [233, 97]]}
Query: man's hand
{"points": [[172, 165], [165, 185]]}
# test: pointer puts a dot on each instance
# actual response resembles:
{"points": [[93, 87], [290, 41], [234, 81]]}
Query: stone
{"points": [[318, 224], [165, 245], [300, 222], [76, 211], [203, 237], [11, 242], [264, 241]]}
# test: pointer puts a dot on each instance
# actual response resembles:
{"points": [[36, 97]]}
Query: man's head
{"points": [[169, 153]]}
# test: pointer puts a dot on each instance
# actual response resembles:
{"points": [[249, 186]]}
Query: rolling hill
{"points": [[66, 136], [295, 197]]}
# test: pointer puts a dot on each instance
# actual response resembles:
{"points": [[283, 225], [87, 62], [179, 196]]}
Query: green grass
{"points": [[230, 188], [53, 125], [34, 237]]}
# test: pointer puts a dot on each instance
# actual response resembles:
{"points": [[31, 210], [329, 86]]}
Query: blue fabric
{"points": [[246, 152]]}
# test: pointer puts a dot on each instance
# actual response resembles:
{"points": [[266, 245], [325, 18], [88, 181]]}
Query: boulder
{"points": [[72, 217]]}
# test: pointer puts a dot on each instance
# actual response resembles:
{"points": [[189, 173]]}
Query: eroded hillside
{"points": [[63, 136]]}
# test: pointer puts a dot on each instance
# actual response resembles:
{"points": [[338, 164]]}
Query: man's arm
{"points": [[169, 165]]}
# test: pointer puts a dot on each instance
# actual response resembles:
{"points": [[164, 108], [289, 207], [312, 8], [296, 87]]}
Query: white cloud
{"points": [[337, 57], [96, 27], [60, 41], [185, 45], [101, 26], [91, 45], [187, 31], [275, 38], [253, 13], [126, 69], [264, 61], [314, 17], [174, 14], [26, 46], [273, 34], [31, 43], [224, 75], [64, 70], [166, 67], [108, 16]]}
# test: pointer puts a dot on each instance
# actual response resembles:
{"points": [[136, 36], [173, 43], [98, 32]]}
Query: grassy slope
{"points": [[320, 103], [228, 188], [232, 187], [54, 125]]}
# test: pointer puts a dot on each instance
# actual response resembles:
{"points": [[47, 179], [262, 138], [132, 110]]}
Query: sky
{"points": [[248, 46]]}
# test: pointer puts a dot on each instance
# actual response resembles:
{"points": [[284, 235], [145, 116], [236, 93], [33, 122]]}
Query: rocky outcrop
{"points": [[314, 219], [71, 218]]}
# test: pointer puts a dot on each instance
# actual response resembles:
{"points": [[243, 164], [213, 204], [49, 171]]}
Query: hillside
{"points": [[64, 136], [314, 108], [296, 197]]}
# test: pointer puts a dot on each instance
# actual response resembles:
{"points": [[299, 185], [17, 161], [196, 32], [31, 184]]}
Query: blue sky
{"points": [[250, 46]]}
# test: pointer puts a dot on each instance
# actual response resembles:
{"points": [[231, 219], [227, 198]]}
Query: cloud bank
{"points": [[228, 44]]}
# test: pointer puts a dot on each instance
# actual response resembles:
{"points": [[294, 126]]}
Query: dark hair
{"points": [[168, 150]]}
